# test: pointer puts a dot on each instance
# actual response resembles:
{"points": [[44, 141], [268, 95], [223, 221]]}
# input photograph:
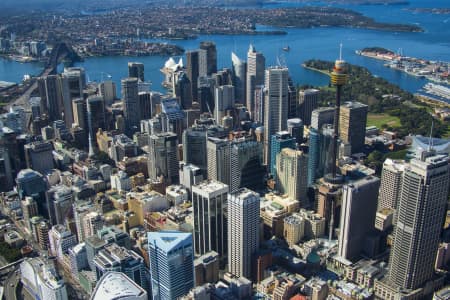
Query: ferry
{"points": [[438, 90], [287, 48]]}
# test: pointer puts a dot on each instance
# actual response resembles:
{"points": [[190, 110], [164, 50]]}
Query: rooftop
{"points": [[116, 285]]}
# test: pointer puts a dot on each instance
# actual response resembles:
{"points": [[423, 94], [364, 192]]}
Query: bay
{"points": [[319, 43]]}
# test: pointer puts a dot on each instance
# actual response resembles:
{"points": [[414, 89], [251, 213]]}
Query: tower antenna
{"points": [[430, 142], [340, 51]]}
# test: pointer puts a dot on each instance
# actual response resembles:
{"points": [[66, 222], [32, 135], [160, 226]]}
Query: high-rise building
{"points": [[243, 231], [59, 200], [39, 157], [41, 279], [119, 259], [183, 90], [239, 78], [79, 109], [391, 182], [223, 101], [210, 227], [218, 157], [193, 71], [130, 99], [92, 222], [107, 89], [307, 102], [291, 175], [352, 125], [275, 106], [321, 116], [194, 147], [50, 99], [359, 205], [246, 165], [256, 64], [113, 234], [421, 207], [6, 174], [211, 56], [295, 129], [280, 140], [136, 70], [145, 105], [163, 157], [32, 184], [96, 114], [292, 99], [171, 264], [60, 240], [117, 285]]}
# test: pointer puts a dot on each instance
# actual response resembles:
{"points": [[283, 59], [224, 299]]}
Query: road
{"points": [[11, 284]]}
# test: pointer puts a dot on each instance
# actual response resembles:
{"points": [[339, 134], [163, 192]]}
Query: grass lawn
{"points": [[381, 119]]}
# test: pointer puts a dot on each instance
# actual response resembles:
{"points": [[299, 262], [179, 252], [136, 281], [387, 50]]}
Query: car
{"points": [[11, 285]]}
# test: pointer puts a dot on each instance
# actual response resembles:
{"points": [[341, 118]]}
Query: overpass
{"points": [[14, 263]]}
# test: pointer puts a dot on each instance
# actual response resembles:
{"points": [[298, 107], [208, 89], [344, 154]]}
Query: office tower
{"points": [[6, 175], [421, 207], [113, 234], [145, 105], [130, 98], [211, 56], [107, 89], [183, 91], [359, 206], [295, 129], [60, 240], [39, 157], [194, 147], [292, 99], [80, 117], [192, 69], [76, 78], [209, 200], [352, 124], [91, 223], [205, 97], [190, 175], [391, 182], [280, 140], [117, 285], [171, 264], [136, 70], [32, 184], [48, 91], [256, 64], [218, 157], [59, 200], [162, 159], [172, 117], [96, 114], [206, 268], [257, 110], [239, 78], [115, 258], [93, 246], [246, 165], [320, 152], [29, 210], [42, 234], [275, 106], [243, 231], [78, 258], [291, 173], [307, 102], [223, 101], [41, 279], [321, 116]]}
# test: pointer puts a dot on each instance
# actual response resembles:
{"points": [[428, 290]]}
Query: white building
{"points": [[121, 181], [60, 239], [117, 285]]}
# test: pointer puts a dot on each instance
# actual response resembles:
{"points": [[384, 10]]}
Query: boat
{"points": [[287, 48]]}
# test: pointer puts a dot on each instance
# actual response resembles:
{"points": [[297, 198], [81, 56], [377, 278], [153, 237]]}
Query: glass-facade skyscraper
{"points": [[171, 264]]}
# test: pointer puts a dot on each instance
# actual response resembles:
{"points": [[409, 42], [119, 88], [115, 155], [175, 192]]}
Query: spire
{"points": [[251, 48], [340, 51]]}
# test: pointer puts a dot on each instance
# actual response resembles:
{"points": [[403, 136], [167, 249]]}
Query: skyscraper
{"points": [[359, 205], [391, 182], [136, 70], [192, 69], [352, 125], [38, 156], [295, 129], [163, 157], [243, 231], [291, 179], [96, 114], [280, 140], [246, 165], [275, 106], [211, 56], [307, 102], [239, 78], [321, 116], [209, 200], [79, 109], [218, 157], [194, 147], [256, 64], [224, 100], [421, 207], [130, 99], [171, 264], [31, 183], [183, 90]]}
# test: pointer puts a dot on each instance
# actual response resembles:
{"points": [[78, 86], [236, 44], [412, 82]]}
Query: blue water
{"points": [[320, 43]]}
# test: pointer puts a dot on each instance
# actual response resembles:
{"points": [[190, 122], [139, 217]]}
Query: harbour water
{"points": [[319, 43]]}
